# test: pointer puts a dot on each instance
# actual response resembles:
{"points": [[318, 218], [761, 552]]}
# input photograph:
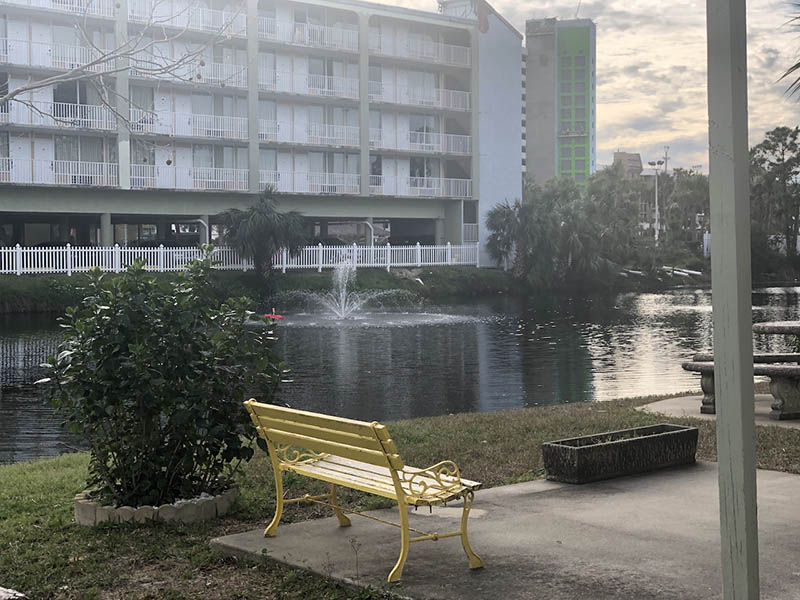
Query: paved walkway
{"points": [[635, 538], [689, 406]]}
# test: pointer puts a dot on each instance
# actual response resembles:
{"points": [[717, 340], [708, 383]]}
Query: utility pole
{"points": [[666, 157], [655, 165]]}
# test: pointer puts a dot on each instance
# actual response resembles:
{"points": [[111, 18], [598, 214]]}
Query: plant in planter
{"points": [[153, 376]]}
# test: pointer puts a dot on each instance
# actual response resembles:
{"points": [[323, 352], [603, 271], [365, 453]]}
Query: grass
{"points": [[52, 293], [44, 554]]}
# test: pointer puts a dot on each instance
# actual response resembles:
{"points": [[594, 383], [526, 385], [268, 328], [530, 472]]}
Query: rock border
{"points": [[89, 513]]}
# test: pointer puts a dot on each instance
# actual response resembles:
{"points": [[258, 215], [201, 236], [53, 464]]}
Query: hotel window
{"points": [[565, 61], [566, 100], [580, 113], [580, 151], [566, 87], [566, 113], [580, 61], [420, 167], [375, 164], [580, 177], [566, 151], [566, 74], [580, 88], [580, 74], [268, 160], [580, 165], [566, 165], [142, 152]]}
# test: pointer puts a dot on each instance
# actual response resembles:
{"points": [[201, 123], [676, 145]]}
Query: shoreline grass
{"points": [[45, 555]]}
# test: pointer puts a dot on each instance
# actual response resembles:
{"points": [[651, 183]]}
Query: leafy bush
{"points": [[152, 374]]}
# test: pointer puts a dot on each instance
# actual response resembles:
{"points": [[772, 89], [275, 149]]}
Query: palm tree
{"points": [[793, 72], [261, 231]]}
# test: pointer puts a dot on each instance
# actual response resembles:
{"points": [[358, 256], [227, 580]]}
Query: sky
{"points": [[651, 71]]}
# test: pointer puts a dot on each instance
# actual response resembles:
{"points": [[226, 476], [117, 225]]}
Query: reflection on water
{"points": [[478, 357]]}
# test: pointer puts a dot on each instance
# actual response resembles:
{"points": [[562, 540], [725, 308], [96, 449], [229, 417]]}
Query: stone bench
{"points": [[784, 382]]}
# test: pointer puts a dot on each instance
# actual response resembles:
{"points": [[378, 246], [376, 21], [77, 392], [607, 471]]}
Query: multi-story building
{"points": [[631, 162], [560, 111], [353, 111]]}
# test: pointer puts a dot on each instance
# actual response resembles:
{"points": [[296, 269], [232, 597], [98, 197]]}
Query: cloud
{"points": [[651, 70]]}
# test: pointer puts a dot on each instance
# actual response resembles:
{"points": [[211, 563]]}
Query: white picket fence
{"points": [[68, 259]]}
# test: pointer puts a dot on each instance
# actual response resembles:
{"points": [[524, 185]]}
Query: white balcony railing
{"points": [[188, 178], [305, 34], [222, 74], [427, 51], [52, 56], [457, 100], [61, 114], [307, 84], [95, 8], [194, 17], [312, 183], [317, 134], [421, 141], [429, 187], [58, 172], [189, 125]]}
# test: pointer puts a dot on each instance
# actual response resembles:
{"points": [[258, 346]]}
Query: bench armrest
{"points": [[443, 476]]}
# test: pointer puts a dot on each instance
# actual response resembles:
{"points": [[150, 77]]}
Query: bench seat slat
{"points": [[383, 471], [372, 457], [270, 411], [341, 437], [356, 475]]}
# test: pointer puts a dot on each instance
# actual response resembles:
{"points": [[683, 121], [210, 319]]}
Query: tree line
{"points": [[560, 236]]}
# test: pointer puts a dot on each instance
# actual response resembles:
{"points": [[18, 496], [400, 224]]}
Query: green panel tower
{"points": [[560, 99]]}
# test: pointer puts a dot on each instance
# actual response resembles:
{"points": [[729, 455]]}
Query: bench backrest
{"points": [[346, 438]]}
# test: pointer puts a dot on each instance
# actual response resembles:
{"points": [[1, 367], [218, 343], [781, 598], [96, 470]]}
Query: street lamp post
{"points": [[655, 164]]}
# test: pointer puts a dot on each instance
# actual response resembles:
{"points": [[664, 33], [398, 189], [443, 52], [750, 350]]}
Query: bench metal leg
{"points": [[343, 520], [474, 560], [708, 407], [270, 530], [405, 537], [786, 398]]}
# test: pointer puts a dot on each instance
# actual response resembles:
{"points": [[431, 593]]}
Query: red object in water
{"points": [[274, 316]]}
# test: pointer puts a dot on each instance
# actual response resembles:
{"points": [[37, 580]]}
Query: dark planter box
{"points": [[616, 453]]}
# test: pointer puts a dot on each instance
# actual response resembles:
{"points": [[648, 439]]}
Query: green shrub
{"points": [[152, 375]]}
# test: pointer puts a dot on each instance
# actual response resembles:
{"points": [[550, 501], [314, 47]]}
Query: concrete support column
{"points": [[205, 234], [123, 103], [163, 229], [106, 230], [323, 228], [253, 150], [473, 40], [454, 222], [368, 231], [63, 228], [363, 95], [731, 288], [440, 232]]}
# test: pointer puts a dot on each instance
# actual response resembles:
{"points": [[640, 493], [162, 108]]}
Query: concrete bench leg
{"points": [[786, 398], [709, 406]]}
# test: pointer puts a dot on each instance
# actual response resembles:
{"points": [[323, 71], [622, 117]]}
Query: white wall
{"points": [[499, 122]]}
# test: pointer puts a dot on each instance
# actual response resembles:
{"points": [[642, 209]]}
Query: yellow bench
{"points": [[361, 456]]}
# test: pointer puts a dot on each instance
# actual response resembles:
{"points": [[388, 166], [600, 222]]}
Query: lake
{"points": [[481, 356]]}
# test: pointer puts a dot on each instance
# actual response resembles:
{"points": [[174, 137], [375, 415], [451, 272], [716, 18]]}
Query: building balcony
{"points": [[455, 100], [308, 84], [52, 56], [312, 183], [147, 66], [427, 187], [422, 142], [426, 51], [189, 125], [58, 172], [188, 178], [192, 17], [60, 114], [305, 34], [317, 134], [94, 8]]}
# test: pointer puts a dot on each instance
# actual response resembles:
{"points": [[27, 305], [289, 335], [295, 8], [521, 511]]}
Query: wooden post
{"points": [[319, 260], [117, 259], [161, 258], [69, 260], [284, 259], [732, 309], [388, 257], [18, 259], [419, 255]]}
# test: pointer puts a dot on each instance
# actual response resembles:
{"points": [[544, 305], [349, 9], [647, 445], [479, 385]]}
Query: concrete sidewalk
{"points": [[689, 406], [634, 538]]}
